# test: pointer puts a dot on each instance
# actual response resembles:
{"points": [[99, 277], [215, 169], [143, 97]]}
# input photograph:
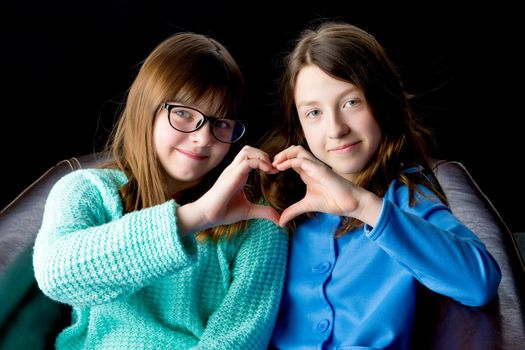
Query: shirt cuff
{"points": [[374, 232]]}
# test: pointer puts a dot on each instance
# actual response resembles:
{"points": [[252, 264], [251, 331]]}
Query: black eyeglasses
{"points": [[187, 119]]}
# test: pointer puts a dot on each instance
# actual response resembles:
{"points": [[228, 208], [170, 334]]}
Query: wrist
{"points": [[189, 219], [368, 209]]}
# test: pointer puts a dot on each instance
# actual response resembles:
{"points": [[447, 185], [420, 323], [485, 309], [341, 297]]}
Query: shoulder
{"points": [[399, 193], [101, 178], [85, 184]]}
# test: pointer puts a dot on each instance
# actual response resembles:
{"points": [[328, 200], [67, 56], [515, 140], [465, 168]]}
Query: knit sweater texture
{"points": [[133, 283]]}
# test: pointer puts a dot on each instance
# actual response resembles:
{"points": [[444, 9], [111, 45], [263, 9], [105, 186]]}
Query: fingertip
{"points": [[283, 219], [279, 166], [268, 168]]}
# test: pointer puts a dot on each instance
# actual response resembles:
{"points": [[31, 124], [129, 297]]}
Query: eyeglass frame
{"points": [[168, 106]]}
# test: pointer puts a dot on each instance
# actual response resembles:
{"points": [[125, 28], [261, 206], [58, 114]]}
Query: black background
{"points": [[65, 68]]}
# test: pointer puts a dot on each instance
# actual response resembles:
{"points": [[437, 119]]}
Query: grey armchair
{"points": [[30, 320]]}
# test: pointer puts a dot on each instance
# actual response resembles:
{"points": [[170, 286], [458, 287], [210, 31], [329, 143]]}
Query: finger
{"points": [[254, 163], [265, 163], [293, 211], [263, 212], [248, 152], [300, 165], [291, 153], [257, 153], [287, 164], [241, 155]]}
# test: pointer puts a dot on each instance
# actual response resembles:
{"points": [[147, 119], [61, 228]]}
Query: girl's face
{"points": [[186, 157], [336, 120]]}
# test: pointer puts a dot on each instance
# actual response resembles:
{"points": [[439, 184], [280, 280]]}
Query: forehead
{"points": [[208, 102], [312, 84]]}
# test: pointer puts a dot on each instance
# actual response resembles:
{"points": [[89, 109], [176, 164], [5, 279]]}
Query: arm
{"points": [[87, 253], [437, 249], [246, 317], [428, 240]]}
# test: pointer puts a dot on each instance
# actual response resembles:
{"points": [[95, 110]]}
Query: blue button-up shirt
{"points": [[359, 291]]}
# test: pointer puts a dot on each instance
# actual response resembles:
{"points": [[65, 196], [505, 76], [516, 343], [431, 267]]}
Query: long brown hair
{"points": [[349, 53], [188, 68]]}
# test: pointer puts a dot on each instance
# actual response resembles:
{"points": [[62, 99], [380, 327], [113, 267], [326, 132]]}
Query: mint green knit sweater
{"points": [[134, 284]]}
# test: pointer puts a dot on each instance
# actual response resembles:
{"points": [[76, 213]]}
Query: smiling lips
{"points": [[192, 155], [344, 148]]}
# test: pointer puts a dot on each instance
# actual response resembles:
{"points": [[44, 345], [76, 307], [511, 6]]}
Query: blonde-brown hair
{"points": [[187, 68], [349, 53]]}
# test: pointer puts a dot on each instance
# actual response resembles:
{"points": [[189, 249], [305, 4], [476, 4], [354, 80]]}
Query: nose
{"points": [[203, 135], [337, 126]]}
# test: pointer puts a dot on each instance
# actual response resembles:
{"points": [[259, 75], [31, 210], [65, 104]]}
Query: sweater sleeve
{"points": [[247, 315], [87, 253], [437, 249]]}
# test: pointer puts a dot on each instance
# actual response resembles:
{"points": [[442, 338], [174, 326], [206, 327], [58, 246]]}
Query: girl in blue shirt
{"points": [[369, 222]]}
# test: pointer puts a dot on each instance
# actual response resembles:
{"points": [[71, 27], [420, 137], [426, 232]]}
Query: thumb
{"points": [[293, 211], [263, 212]]}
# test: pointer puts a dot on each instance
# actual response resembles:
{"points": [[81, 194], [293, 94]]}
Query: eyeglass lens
{"points": [[187, 120]]}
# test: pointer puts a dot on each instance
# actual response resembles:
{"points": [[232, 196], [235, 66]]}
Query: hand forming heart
{"points": [[326, 191]]}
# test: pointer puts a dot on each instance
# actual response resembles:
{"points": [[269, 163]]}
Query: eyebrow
{"points": [[345, 92], [306, 104]]}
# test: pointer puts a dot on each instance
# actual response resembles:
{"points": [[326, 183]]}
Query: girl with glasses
{"points": [[165, 247]]}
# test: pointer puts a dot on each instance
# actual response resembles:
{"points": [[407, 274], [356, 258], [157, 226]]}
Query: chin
{"points": [[185, 176], [347, 172]]}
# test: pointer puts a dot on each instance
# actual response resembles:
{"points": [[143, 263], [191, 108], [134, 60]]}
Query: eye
{"points": [[351, 103], [316, 113], [223, 124], [181, 113]]}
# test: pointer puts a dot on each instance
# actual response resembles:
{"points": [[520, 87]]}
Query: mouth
{"points": [[192, 155], [344, 148]]}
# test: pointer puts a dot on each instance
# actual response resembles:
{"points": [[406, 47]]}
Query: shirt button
{"points": [[322, 267], [322, 326]]}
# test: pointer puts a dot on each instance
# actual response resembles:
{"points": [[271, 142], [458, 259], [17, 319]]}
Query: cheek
{"points": [[158, 136], [309, 130], [161, 139], [375, 135], [164, 136], [220, 151], [313, 136], [159, 131]]}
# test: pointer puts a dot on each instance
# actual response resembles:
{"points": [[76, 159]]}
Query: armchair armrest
{"points": [[442, 323], [28, 319]]}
